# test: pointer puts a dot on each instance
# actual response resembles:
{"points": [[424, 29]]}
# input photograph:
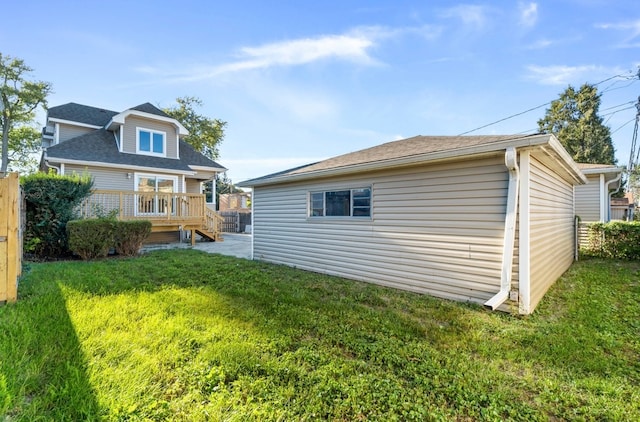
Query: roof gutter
{"points": [[511, 161]]}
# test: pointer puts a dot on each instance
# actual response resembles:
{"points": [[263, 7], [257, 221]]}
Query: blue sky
{"points": [[299, 81]]}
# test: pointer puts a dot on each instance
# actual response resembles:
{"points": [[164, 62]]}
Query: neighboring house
{"points": [[593, 200], [137, 150], [240, 201], [623, 208], [485, 219]]}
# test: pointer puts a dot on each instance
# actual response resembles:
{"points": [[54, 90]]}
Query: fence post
{"points": [[10, 242]]}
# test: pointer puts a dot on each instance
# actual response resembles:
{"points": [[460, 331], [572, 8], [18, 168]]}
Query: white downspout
{"points": [[511, 161]]}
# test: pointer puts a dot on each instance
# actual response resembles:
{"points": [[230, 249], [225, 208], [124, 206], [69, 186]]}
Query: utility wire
{"points": [[620, 127], [626, 76]]}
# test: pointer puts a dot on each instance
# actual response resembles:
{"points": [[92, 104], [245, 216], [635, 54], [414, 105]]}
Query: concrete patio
{"points": [[234, 244]]}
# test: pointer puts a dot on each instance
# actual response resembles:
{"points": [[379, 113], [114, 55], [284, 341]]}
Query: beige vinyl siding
{"points": [[130, 134], [104, 178], [551, 229], [70, 131], [435, 229], [587, 199], [193, 186], [116, 179]]}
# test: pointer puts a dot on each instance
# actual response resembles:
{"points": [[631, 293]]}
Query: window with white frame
{"points": [[151, 142], [156, 194], [341, 203]]}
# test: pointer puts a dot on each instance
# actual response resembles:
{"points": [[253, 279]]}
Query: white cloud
{"points": [[564, 75], [528, 14], [470, 15], [632, 28], [353, 46]]}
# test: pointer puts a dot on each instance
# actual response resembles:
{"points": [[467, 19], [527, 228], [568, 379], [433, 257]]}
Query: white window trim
{"points": [[336, 217], [136, 180], [151, 131]]}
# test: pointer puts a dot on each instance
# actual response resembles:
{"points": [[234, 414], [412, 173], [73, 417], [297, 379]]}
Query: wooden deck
{"points": [[166, 211]]}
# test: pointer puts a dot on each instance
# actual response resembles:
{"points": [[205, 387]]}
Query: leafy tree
{"points": [[23, 142], [19, 98], [205, 134], [573, 118]]}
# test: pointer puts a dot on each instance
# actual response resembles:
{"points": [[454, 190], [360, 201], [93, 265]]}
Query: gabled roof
{"points": [[81, 113], [415, 150], [151, 109], [100, 147]]}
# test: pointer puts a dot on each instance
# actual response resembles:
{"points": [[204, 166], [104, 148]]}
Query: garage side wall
{"points": [[551, 228], [435, 229]]}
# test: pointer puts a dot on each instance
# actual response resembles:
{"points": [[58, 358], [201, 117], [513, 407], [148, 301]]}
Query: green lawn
{"points": [[182, 335]]}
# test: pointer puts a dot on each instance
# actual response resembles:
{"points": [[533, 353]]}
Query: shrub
{"points": [[130, 235], [616, 239], [91, 238], [50, 203]]}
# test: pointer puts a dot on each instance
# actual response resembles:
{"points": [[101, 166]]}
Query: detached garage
{"points": [[486, 219]]}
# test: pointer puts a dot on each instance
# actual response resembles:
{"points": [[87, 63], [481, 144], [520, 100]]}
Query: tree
{"points": [[573, 118], [205, 134], [19, 99]]}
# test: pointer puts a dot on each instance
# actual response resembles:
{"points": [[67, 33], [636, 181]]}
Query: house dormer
{"points": [[72, 120], [147, 130]]}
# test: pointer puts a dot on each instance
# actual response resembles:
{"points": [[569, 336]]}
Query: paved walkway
{"points": [[234, 244]]}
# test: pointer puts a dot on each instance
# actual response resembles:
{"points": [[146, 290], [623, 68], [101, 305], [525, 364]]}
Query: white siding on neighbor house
{"points": [[435, 229], [69, 131], [130, 134], [551, 233], [587, 199]]}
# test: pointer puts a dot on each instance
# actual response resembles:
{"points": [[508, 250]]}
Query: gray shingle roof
{"points": [[151, 109], [415, 146], [82, 114], [100, 146]]}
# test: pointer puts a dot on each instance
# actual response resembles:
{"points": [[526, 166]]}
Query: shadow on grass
{"points": [[449, 352], [41, 361]]}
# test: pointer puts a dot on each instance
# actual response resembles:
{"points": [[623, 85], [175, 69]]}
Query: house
{"points": [[140, 165], [622, 209], [484, 219], [239, 201], [593, 200]]}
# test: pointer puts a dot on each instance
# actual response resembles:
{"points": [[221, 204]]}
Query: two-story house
{"points": [[140, 165]]}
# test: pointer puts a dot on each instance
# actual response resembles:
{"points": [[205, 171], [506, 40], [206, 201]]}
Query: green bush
{"points": [[616, 239], [91, 238], [94, 238], [130, 235], [51, 200]]}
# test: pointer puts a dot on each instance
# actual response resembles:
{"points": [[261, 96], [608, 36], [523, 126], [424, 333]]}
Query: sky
{"points": [[300, 81]]}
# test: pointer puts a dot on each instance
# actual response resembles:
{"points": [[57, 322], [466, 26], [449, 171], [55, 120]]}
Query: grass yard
{"points": [[182, 335]]}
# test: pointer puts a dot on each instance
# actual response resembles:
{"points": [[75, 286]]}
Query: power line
{"points": [[625, 76], [620, 127]]}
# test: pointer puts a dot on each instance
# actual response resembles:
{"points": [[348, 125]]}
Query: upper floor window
{"points": [[341, 203], [151, 142]]}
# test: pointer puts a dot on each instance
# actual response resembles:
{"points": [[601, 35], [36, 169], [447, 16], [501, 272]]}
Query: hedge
{"points": [[94, 238], [616, 239], [50, 203]]}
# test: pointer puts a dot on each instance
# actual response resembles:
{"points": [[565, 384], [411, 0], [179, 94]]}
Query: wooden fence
{"points": [[235, 221], [10, 238]]}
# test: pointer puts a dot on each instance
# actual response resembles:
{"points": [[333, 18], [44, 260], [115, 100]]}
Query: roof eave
{"points": [[529, 141], [115, 165], [118, 119]]}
